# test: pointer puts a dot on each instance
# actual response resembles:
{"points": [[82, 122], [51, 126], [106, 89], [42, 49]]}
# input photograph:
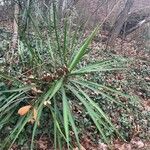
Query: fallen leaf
{"points": [[34, 117], [23, 110], [34, 114], [31, 77], [36, 90], [125, 147], [137, 143], [31, 120], [146, 104], [140, 144], [46, 103], [81, 148], [102, 146]]}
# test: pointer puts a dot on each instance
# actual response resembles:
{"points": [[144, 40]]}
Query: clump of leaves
{"points": [[48, 76]]}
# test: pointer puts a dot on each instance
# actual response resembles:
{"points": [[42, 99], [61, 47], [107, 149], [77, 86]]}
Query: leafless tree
{"points": [[120, 21]]}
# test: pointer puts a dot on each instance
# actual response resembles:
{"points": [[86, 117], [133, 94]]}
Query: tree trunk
{"points": [[120, 21], [15, 27], [14, 40]]}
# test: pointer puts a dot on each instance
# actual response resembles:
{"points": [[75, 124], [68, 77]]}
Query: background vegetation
{"points": [[64, 84]]}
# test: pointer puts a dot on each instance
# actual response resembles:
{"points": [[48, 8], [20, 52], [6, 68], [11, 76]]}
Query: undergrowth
{"points": [[46, 78]]}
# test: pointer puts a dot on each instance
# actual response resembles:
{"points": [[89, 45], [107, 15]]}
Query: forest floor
{"points": [[133, 80]]}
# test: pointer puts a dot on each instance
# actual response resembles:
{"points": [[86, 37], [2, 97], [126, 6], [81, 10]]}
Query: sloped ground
{"points": [[135, 79]]}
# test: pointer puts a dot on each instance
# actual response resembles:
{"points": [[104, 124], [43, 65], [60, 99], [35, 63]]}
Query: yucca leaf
{"points": [[56, 87], [6, 141], [74, 128], [19, 128], [106, 65], [5, 119], [9, 102], [25, 89], [99, 110], [59, 143], [100, 69], [65, 41], [50, 48], [71, 120], [96, 119], [35, 26], [53, 90], [7, 99], [39, 112], [95, 89], [55, 135], [100, 86], [65, 115], [2, 97], [9, 108], [78, 56], [56, 32], [57, 123], [10, 78]]}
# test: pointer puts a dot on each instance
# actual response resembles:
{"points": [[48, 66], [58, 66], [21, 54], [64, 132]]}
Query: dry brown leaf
{"points": [[46, 103], [146, 104], [31, 121], [34, 117], [125, 147], [36, 90], [102, 146], [23, 110], [137, 143], [34, 114], [31, 77], [81, 148]]}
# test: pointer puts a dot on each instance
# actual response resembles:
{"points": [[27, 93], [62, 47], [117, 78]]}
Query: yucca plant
{"points": [[49, 78]]}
